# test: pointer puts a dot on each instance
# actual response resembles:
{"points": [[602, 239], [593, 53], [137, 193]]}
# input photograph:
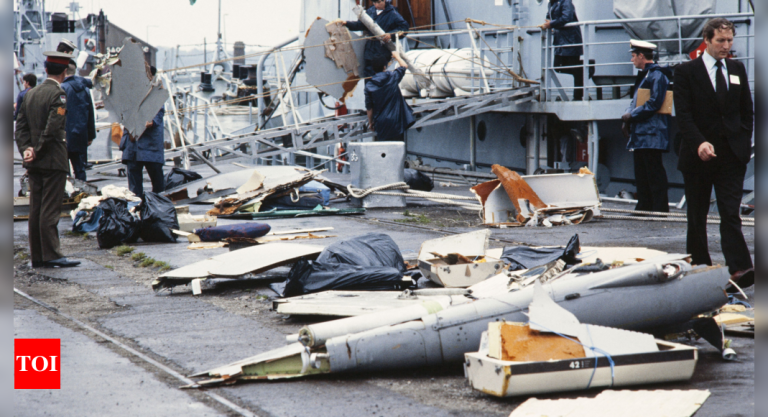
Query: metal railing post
{"points": [[585, 63], [544, 78], [594, 147], [472, 144]]}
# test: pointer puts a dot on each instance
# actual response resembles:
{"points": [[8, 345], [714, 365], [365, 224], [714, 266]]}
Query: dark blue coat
{"points": [[389, 20], [391, 114], [147, 148], [561, 12], [648, 129], [81, 123], [19, 99]]}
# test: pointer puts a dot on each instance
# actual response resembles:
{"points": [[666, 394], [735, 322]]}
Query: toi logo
{"points": [[37, 364]]}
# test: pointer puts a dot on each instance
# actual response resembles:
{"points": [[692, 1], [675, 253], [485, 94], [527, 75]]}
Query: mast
{"points": [[220, 51]]}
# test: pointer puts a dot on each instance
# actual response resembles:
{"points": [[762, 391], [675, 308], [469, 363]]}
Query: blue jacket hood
{"points": [[78, 83]]}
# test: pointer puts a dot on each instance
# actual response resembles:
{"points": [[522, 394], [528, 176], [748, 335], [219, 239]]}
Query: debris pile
{"points": [[553, 352], [654, 293], [538, 200], [121, 221], [266, 192]]}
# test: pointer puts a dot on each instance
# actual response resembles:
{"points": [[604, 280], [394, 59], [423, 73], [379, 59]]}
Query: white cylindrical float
{"points": [[450, 70]]}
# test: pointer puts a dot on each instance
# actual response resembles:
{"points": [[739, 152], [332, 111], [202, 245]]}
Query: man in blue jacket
{"points": [[30, 81], [81, 122], [560, 13], [148, 152], [647, 130], [390, 21], [388, 113]]}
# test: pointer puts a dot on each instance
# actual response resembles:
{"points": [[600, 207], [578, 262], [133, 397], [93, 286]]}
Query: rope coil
{"points": [[407, 192]]}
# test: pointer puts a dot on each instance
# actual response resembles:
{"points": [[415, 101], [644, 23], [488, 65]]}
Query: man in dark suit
{"points": [[715, 115]]}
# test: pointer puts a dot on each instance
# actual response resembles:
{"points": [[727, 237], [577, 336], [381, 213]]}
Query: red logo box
{"points": [[37, 363]]}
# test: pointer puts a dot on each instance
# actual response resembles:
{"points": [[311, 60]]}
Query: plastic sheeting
{"points": [[308, 277], [117, 225], [369, 262], [243, 230], [158, 218], [418, 180], [665, 29], [372, 249], [526, 257], [177, 176]]}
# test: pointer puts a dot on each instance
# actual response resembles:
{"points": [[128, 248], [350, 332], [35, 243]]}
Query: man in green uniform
{"points": [[41, 139]]}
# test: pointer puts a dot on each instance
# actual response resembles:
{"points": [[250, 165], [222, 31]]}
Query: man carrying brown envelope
{"points": [[646, 128]]}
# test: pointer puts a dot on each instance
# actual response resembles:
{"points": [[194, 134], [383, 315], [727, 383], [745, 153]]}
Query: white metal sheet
{"points": [[355, 303], [610, 403], [565, 190], [467, 244], [254, 259]]}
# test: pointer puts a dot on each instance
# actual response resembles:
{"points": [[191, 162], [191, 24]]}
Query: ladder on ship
{"points": [[299, 139]]}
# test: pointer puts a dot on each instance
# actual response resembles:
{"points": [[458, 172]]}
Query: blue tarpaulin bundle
{"points": [[370, 262], [86, 221], [250, 230]]}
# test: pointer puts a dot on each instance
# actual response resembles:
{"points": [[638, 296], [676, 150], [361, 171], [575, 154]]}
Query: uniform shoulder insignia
{"points": [[61, 111], [63, 98]]}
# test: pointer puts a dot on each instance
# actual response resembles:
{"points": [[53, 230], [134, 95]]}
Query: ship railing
{"points": [[551, 88]]}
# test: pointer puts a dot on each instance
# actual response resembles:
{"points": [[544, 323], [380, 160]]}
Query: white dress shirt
{"points": [[710, 64]]}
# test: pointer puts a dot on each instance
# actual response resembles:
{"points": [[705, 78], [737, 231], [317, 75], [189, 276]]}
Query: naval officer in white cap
{"points": [[647, 130]]}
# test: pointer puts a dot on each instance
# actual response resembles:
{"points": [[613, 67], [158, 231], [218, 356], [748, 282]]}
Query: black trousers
{"points": [[651, 181], [726, 174], [578, 73], [46, 192], [78, 161], [136, 177]]}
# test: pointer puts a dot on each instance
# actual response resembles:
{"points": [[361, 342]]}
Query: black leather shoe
{"points": [[61, 263], [743, 279]]}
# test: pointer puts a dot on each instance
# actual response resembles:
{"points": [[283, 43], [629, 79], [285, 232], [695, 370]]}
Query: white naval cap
{"points": [[66, 46], [641, 46]]}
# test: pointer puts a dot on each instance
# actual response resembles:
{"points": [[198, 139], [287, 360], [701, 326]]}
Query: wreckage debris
{"points": [[634, 298], [287, 214], [465, 262], [538, 200], [671, 403], [252, 260], [131, 95], [338, 74], [555, 353], [527, 257], [188, 223], [356, 303]]}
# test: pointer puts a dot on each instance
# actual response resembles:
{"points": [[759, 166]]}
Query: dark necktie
{"points": [[721, 88]]}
